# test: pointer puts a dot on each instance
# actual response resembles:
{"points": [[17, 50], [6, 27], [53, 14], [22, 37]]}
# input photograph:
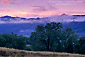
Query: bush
{"points": [[13, 41]]}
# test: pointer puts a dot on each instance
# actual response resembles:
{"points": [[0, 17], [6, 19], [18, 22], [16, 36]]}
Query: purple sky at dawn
{"points": [[41, 8]]}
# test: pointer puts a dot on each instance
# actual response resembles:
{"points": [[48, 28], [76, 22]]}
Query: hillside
{"points": [[24, 26], [6, 52], [78, 27]]}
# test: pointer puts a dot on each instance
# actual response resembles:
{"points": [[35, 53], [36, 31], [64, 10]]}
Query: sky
{"points": [[41, 8]]}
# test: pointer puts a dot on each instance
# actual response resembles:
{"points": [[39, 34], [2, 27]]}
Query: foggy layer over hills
{"points": [[55, 18], [24, 26]]}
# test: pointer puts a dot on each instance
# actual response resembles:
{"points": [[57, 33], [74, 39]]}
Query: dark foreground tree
{"points": [[46, 37], [70, 40], [51, 37], [82, 45], [13, 41]]}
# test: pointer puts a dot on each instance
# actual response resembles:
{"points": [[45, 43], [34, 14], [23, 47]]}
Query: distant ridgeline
{"points": [[10, 18], [56, 18], [79, 15]]}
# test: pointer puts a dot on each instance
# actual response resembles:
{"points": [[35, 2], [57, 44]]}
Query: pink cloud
{"points": [[5, 0], [35, 6], [8, 0], [42, 8], [7, 3], [38, 8], [6, 10], [83, 2], [71, 12], [77, 12], [74, 0], [36, 14]]}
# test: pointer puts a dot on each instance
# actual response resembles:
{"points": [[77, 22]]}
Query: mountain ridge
{"points": [[54, 18]]}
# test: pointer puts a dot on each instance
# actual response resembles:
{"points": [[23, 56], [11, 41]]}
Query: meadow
{"points": [[7, 52]]}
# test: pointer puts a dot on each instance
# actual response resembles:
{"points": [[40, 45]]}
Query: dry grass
{"points": [[6, 52]]}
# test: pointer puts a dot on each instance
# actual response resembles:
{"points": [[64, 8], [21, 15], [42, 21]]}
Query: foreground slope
{"points": [[21, 53]]}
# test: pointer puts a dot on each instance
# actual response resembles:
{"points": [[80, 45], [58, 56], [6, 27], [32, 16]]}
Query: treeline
{"points": [[13, 41], [50, 37], [53, 37]]}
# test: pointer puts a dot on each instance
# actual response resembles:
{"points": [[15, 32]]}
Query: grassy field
{"points": [[7, 52]]}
